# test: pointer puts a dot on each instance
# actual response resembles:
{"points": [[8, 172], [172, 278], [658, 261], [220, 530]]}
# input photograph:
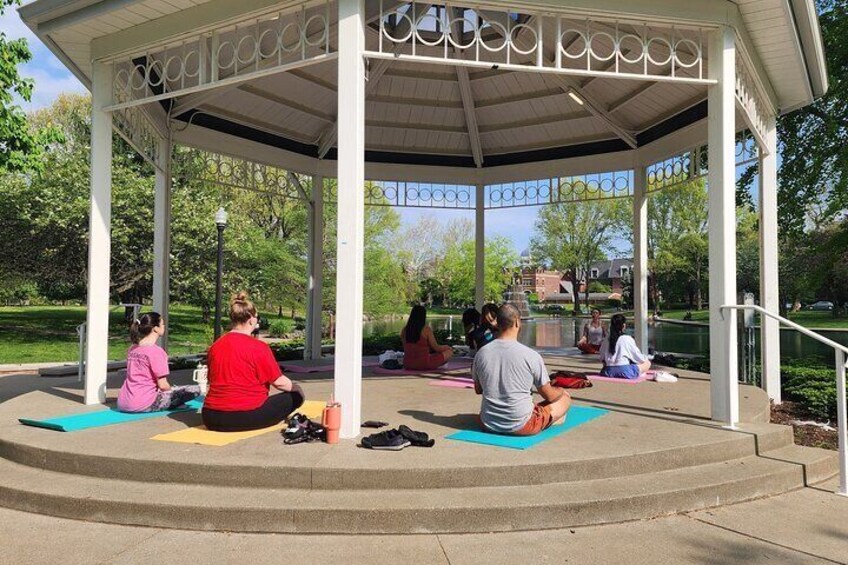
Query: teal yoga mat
{"points": [[106, 417], [577, 416]]}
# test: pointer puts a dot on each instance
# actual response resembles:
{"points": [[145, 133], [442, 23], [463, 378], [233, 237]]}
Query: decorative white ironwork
{"points": [[692, 164], [677, 169], [506, 39], [747, 149], [232, 173], [234, 53], [750, 100], [419, 195], [597, 186], [135, 128]]}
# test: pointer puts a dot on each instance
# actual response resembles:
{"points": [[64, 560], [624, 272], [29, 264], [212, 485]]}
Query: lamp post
{"points": [[221, 223]]}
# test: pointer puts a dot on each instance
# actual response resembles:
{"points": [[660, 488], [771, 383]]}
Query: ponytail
{"points": [[143, 326], [616, 331]]}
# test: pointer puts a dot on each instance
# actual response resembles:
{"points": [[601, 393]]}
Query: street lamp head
{"points": [[221, 217]]}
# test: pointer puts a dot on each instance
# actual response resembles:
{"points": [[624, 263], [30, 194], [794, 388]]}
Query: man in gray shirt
{"points": [[505, 372]]}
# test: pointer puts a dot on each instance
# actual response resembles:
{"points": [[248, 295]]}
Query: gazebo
{"points": [[477, 105]]}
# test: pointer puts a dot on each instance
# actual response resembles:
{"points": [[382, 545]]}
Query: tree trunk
{"points": [[575, 289], [698, 296]]}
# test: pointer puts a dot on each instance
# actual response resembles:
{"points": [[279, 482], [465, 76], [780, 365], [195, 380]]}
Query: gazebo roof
{"points": [[418, 113]]}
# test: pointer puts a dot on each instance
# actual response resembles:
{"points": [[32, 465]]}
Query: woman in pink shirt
{"points": [[146, 388]]}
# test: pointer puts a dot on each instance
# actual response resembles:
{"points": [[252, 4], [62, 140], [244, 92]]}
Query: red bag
{"points": [[563, 379]]}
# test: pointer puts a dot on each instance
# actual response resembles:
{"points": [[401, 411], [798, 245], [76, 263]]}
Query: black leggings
{"points": [[275, 408]]}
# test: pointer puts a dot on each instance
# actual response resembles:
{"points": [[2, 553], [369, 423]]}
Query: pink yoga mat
{"points": [[319, 368], [649, 376], [450, 383], [452, 365]]}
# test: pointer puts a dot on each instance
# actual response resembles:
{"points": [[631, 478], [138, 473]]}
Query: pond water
{"points": [[557, 333]]}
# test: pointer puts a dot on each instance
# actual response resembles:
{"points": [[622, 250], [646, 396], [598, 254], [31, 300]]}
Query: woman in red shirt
{"points": [[242, 369]]}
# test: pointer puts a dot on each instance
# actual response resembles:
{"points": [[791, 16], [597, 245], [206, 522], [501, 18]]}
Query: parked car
{"points": [[821, 305]]}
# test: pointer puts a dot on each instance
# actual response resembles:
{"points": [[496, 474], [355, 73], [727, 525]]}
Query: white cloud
{"points": [[50, 75]]}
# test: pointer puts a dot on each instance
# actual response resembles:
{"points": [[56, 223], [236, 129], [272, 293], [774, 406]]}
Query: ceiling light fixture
{"points": [[575, 97]]}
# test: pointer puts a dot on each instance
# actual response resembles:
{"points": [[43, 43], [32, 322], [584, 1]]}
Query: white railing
{"points": [[841, 354]]}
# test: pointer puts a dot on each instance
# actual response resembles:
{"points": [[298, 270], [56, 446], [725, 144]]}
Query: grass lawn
{"points": [[806, 318], [42, 334]]}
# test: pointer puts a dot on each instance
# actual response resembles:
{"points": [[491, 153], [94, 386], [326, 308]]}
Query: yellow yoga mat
{"points": [[200, 435]]}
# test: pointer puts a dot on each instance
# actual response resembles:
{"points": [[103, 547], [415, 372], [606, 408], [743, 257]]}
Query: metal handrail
{"points": [[841, 353], [806, 331]]}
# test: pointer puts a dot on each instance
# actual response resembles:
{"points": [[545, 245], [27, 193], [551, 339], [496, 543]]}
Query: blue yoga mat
{"points": [[106, 417], [576, 416]]}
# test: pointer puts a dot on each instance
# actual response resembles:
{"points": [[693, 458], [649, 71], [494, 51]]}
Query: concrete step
{"points": [[381, 511], [393, 469]]}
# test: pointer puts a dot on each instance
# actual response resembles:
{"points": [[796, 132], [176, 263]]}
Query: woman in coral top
{"points": [[242, 370], [421, 351]]}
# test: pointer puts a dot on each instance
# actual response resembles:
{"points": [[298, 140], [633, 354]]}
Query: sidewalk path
{"points": [[806, 526]]}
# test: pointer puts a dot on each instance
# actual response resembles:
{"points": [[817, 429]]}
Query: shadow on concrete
{"points": [[456, 422], [638, 410]]}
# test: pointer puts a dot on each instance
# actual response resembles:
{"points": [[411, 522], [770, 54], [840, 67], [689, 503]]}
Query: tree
{"points": [[677, 241], [814, 139], [20, 145], [458, 268], [45, 225], [571, 236]]}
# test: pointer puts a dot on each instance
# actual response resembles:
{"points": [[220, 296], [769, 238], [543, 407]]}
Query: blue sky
{"points": [[51, 77]]}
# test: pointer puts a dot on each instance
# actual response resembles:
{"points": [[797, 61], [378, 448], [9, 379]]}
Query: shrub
{"points": [[533, 298], [813, 384], [597, 286], [280, 327]]}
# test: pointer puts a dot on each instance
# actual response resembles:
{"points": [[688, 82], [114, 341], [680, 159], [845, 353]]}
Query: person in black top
{"points": [[477, 334]]}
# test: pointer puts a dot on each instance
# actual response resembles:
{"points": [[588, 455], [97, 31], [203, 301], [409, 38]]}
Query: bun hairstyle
{"points": [[241, 308], [143, 326]]}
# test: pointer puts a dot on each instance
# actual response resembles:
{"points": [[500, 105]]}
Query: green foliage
{"points": [[812, 384], [813, 175], [677, 242], [280, 327], [570, 236], [598, 286], [533, 298], [43, 230], [21, 146]]}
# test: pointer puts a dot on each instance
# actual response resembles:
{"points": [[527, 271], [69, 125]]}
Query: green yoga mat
{"points": [[576, 416], [106, 417]]}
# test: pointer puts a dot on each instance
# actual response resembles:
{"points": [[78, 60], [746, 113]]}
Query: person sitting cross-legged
{"points": [[505, 373], [594, 333], [620, 354]]}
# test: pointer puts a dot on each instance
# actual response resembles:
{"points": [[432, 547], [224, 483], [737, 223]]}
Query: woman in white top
{"points": [[594, 333], [619, 353]]}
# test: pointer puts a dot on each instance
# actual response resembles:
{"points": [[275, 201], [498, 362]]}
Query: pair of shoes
{"points": [[417, 439], [664, 377], [390, 440], [301, 429]]}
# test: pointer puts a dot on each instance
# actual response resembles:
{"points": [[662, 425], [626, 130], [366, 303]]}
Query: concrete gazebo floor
{"points": [[655, 453]]}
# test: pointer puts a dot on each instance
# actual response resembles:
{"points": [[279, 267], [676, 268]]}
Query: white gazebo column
{"points": [[769, 283], [351, 213], [162, 233], [640, 258], [312, 346], [480, 248], [724, 388], [99, 243]]}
